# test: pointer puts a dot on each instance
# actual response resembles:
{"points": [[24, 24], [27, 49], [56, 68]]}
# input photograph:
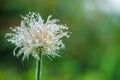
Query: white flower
{"points": [[34, 36]]}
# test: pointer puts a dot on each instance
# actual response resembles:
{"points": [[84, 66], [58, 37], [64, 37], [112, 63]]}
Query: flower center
{"points": [[38, 49]]}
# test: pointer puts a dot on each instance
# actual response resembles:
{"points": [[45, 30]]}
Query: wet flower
{"points": [[34, 36]]}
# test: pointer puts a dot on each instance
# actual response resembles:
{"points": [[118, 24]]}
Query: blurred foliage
{"points": [[92, 52]]}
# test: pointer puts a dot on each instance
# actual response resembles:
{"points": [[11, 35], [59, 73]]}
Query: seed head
{"points": [[34, 36]]}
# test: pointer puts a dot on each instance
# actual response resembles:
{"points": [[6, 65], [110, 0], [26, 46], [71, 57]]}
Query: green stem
{"points": [[39, 68]]}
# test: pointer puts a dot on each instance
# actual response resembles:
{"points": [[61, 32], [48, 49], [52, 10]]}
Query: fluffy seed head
{"points": [[34, 36]]}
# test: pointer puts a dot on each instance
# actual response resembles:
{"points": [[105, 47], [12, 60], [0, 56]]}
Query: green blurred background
{"points": [[92, 52]]}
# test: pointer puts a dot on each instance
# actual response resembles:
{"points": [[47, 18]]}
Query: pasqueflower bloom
{"points": [[34, 36]]}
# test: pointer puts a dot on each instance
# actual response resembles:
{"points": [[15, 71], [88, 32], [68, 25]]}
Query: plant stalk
{"points": [[39, 68]]}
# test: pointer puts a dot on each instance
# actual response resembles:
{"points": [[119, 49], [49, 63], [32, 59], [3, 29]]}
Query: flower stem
{"points": [[39, 68]]}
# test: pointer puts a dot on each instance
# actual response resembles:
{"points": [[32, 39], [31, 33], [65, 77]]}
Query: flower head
{"points": [[34, 36]]}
